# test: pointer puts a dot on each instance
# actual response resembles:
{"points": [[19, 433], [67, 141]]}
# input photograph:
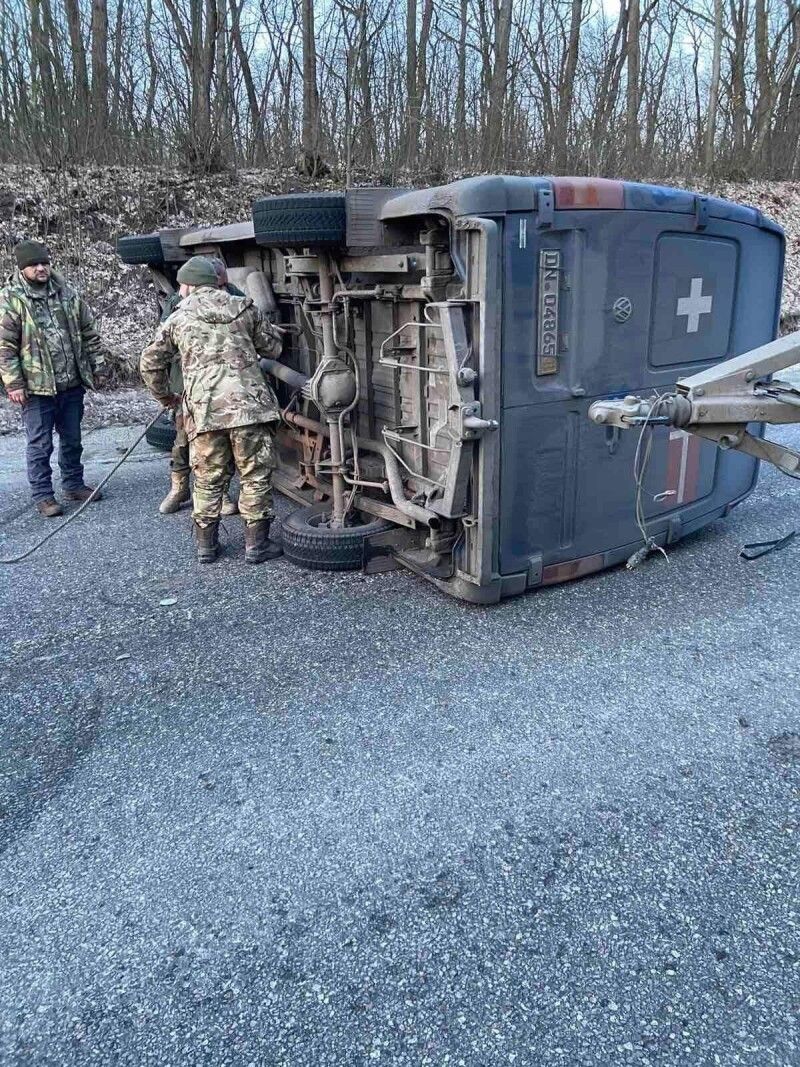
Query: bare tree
{"points": [[567, 85], [498, 80], [310, 136], [99, 99], [442, 85]]}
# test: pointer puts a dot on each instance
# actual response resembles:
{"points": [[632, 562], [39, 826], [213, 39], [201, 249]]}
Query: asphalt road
{"points": [[312, 820]]}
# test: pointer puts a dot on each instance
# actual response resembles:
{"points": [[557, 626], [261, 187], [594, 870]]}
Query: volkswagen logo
{"points": [[622, 309]]}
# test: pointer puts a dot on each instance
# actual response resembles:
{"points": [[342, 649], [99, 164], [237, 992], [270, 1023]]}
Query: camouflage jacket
{"points": [[219, 339], [25, 361], [172, 301]]}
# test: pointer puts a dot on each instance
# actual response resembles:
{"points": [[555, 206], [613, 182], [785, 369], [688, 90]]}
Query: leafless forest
{"points": [[654, 87]]}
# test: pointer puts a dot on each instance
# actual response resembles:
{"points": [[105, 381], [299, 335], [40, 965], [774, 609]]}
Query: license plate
{"points": [[549, 282]]}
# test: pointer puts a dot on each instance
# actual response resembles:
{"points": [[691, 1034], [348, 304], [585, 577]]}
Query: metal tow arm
{"points": [[718, 403]]}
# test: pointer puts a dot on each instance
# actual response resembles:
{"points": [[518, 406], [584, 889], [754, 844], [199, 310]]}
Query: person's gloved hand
{"points": [[172, 402], [102, 375]]}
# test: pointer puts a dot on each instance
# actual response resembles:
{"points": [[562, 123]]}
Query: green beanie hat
{"points": [[29, 253], [198, 271]]}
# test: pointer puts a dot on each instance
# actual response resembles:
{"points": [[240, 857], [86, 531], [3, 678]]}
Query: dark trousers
{"points": [[40, 416]]}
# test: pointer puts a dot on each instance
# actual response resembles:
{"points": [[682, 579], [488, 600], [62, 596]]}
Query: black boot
{"points": [[257, 545], [207, 538]]}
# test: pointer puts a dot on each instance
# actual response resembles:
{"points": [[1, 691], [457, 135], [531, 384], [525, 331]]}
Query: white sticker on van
{"points": [[694, 305]]}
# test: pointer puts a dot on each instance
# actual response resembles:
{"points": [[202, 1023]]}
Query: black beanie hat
{"points": [[28, 253]]}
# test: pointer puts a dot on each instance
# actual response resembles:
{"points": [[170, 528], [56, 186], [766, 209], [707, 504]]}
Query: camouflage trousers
{"points": [[180, 462], [180, 450], [252, 450]]}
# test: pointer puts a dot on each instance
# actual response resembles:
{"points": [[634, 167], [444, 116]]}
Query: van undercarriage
{"points": [[382, 414], [443, 350]]}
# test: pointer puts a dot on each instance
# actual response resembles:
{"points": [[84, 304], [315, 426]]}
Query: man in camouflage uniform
{"points": [[50, 354], [228, 407], [179, 492]]}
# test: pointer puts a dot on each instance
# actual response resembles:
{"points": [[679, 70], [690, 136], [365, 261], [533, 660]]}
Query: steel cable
{"points": [[71, 518]]}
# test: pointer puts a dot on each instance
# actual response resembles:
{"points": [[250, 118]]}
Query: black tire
{"points": [[141, 248], [162, 433], [300, 220], [307, 543]]}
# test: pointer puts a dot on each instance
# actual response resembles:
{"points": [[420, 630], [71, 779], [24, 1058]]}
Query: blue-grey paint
{"points": [[565, 493]]}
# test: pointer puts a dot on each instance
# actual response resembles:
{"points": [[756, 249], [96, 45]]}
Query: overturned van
{"points": [[444, 348]]}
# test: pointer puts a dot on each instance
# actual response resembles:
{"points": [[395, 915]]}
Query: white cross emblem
{"points": [[694, 305]]}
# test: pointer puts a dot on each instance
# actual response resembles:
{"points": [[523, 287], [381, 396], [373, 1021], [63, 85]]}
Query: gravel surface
{"points": [[260, 816]]}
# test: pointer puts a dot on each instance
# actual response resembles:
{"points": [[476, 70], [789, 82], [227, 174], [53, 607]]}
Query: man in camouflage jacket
{"points": [[228, 407], [179, 492], [50, 354]]}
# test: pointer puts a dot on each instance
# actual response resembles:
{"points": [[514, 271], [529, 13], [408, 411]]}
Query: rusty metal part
{"points": [[326, 313], [394, 478]]}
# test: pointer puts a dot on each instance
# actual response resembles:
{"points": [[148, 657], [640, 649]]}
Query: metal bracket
{"points": [[377, 264], [612, 439], [545, 203], [700, 212]]}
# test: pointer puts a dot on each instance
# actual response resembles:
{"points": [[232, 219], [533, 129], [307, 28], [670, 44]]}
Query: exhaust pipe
{"points": [[279, 370]]}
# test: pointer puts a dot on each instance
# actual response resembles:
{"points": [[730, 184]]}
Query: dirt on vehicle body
{"points": [[445, 344]]}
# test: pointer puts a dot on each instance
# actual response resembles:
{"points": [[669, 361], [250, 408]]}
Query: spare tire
{"points": [[141, 248], [308, 542], [162, 433], [300, 220]]}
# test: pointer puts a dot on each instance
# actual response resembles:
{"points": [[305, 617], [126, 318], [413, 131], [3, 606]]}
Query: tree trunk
{"points": [[310, 137], [567, 85], [412, 114], [256, 129], [223, 86], [632, 93], [80, 74], [116, 90], [738, 88], [763, 104], [99, 110], [152, 83], [461, 83], [370, 149], [497, 86], [713, 91], [41, 71], [422, 67]]}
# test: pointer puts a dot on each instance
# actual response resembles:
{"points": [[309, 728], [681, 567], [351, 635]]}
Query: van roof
{"points": [[498, 194]]}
